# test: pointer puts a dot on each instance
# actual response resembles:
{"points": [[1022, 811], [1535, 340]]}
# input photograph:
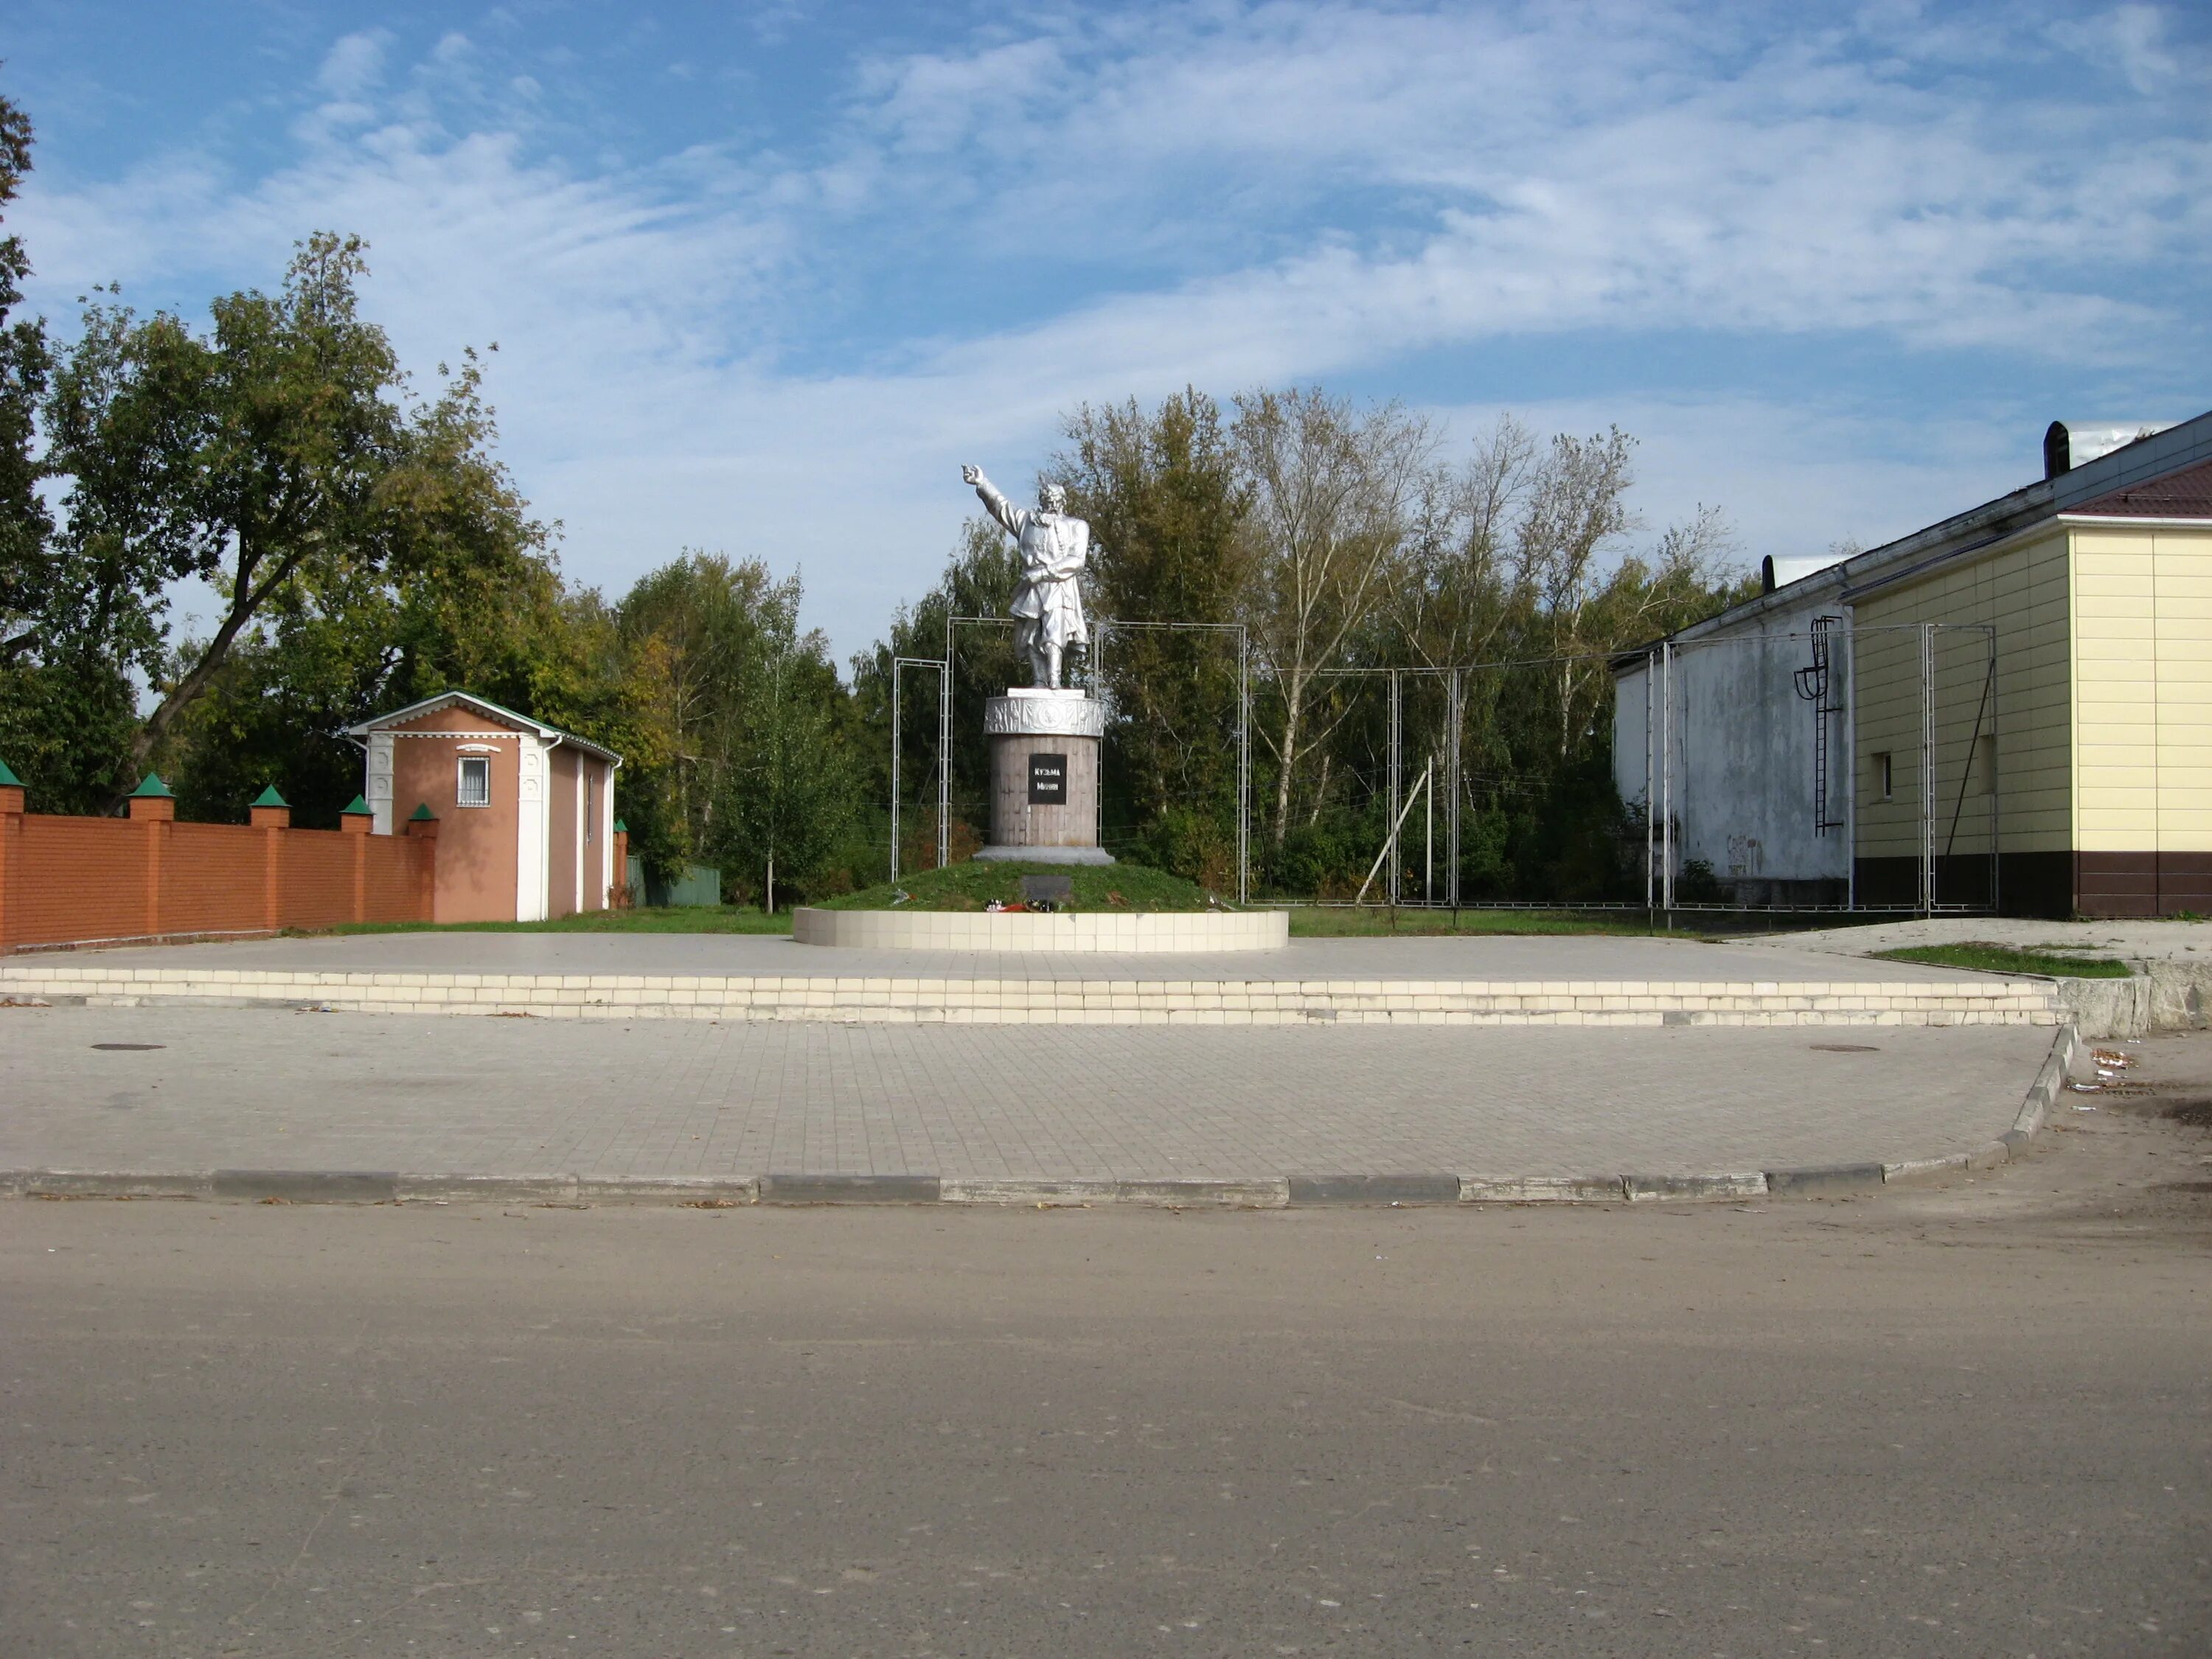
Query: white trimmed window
{"points": [[474, 787]]}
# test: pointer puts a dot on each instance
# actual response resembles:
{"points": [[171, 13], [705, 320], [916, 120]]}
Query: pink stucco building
{"points": [[526, 811]]}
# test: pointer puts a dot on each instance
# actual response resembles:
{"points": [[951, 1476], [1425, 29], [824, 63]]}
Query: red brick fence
{"points": [[69, 881]]}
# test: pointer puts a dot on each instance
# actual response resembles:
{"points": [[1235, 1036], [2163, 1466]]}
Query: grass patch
{"points": [[972, 885], [671, 919], [2004, 959]]}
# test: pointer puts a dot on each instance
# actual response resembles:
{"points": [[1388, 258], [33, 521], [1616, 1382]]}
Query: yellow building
{"points": [[2022, 711]]}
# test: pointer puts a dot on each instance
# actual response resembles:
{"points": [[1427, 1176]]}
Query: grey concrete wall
{"points": [[1742, 741]]}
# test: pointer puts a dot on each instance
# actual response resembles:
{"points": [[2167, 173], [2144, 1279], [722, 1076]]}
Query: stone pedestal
{"points": [[1044, 777]]}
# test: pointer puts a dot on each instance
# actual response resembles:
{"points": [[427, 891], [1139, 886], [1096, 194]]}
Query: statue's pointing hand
{"points": [[971, 475]]}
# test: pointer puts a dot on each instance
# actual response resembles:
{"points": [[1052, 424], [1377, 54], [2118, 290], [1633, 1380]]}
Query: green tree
{"points": [[1332, 487], [25, 524], [789, 794], [66, 712], [268, 458], [467, 597], [689, 632], [1165, 505]]}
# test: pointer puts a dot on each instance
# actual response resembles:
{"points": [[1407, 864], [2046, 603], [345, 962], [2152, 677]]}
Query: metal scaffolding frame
{"points": [[943, 754], [1663, 790], [1661, 826]]}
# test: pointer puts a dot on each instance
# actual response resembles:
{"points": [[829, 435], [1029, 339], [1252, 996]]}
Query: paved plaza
{"points": [[257, 1088], [1525, 958]]}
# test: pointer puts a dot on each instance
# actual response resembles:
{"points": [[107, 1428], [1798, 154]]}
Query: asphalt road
{"points": [[1972, 1421]]}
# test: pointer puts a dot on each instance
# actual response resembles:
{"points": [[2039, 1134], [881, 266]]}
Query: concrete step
{"points": [[1148, 1001]]}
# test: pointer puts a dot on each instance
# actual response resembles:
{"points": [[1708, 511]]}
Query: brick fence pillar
{"points": [[11, 853], [422, 829], [356, 820], [272, 816], [153, 805]]}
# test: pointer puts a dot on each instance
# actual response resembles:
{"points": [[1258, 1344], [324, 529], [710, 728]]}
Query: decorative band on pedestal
{"points": [[1046, 713]]}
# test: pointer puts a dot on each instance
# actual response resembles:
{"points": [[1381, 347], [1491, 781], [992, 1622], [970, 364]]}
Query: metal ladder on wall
{"points": [[1816, 684]]}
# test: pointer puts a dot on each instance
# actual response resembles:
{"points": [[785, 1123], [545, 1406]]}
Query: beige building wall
{"points": [[562, 822], [2024, 751], [2142, 657]]}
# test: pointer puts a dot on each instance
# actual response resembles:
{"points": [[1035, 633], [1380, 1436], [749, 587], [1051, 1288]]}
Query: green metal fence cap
{"points": [[422, 814], [357, 805], [153, 787], [269, 797], [7, 779], [621, 829]]}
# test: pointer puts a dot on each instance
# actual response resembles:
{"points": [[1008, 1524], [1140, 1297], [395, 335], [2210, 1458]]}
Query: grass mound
{"points": [[973, 885], [2005, 959]]}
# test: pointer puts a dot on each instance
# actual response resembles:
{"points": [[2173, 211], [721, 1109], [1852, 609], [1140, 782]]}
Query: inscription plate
{"points": [[1047, 889], [1048, 780]]}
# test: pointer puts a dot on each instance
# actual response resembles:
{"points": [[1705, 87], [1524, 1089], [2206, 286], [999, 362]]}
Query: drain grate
{"points": [[1845, 1048], [129, 1048]]}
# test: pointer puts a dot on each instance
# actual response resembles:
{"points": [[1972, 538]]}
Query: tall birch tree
{"points": [[1332, 486]]}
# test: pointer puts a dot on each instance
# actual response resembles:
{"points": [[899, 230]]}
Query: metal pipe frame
{"points": [[897, 706]]}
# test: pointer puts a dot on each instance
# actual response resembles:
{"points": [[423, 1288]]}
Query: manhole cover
{"points": [[1846, 1048], [131, 1048]]}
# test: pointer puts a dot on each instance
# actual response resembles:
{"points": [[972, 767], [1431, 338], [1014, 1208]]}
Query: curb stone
{"points": [[1542, 1189], [308, 1186], [698, 1194], [484, 1189], [1649, 1189], [1923, 1171], [1205, 1194], [2068, 1055], [89, 1184], [850, 1190], [1374, 1190], [1832, 1180], [1042, 1195]]}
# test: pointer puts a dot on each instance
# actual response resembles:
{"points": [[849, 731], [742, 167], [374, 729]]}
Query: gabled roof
{"points": [[484, 706], [2166, 475]]}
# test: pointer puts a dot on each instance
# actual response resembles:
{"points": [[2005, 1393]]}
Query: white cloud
{"points": [[2131, 41], [355, 65]]}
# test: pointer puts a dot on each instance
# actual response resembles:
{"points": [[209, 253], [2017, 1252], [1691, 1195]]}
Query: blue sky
{"points": [[763, 275]]}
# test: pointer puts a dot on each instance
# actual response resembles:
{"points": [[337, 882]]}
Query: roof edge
{"points": [[2046, 501], [497, 711]]}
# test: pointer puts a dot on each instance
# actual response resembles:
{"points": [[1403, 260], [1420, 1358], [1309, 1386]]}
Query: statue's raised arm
{"points": [[995, 502], [1048, 607]]}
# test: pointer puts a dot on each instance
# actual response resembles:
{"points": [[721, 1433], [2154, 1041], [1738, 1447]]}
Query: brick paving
{"points": [[1522, 957], [258, 1088]]}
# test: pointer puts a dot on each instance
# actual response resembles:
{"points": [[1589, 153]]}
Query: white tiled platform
{"points": [[1155, 933], [1518, 981]]}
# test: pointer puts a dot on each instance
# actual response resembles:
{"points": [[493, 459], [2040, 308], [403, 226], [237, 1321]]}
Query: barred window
{"points": [[476, 781]]}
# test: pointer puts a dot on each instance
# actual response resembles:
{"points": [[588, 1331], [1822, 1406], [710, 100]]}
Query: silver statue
{"points": [[1048, 608]]}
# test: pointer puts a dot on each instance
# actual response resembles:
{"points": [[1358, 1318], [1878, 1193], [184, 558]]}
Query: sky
{"points": [[763, 275]]}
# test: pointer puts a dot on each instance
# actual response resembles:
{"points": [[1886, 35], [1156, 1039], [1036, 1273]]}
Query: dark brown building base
{"points": [[2055, 884]]}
